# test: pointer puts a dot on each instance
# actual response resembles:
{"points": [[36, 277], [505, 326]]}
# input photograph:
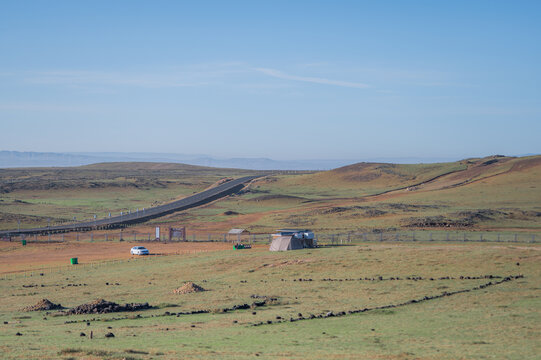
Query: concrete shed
{"points": [[237, 234]]}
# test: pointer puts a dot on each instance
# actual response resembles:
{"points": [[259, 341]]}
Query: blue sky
{"points": [[277, 79]]}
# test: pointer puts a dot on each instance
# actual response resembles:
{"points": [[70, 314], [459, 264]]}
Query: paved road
{"points": [[198, 199]]}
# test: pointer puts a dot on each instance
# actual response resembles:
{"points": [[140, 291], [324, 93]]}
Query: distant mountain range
{"points": [[10, 159]]}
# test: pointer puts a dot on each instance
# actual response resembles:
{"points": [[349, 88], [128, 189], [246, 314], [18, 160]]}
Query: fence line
{"points": [[322, 238], [426, 236]]}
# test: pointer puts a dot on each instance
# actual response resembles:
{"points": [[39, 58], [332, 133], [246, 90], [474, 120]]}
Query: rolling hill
{"points": [[474, 194], [489, 193]]}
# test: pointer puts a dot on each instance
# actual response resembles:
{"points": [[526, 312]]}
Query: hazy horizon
{"points": [[16, 159]]}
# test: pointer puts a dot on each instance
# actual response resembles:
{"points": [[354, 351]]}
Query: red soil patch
{"points": [[527, 164], [34, 256]]}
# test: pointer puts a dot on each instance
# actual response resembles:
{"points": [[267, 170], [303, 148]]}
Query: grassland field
{"points": [[371, 300], [500, 321]]}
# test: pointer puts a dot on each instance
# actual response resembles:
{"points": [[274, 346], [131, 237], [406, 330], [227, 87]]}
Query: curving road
{"points": [[198, 199]]}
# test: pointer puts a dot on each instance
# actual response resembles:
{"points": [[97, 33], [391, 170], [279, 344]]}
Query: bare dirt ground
{"points": [[16, 258]]}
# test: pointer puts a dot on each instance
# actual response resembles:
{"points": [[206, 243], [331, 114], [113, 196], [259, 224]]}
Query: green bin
{"points": [[74, 261], [23, 241]]}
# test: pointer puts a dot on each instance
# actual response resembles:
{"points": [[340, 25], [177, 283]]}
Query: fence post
{"points": [[430, 237], [498, 237], [481, 237], [134, 236], [464, 236], [413, 236], [515, 237], [106, 238], [381, 236], [447, 236], [77, 236], [91, 237]]}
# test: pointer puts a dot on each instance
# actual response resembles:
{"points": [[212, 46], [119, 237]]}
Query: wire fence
{"points": [[321, 238], [428, 236]]}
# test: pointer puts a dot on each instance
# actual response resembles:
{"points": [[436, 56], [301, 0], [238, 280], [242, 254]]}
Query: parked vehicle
{"points": [[139, 250]]}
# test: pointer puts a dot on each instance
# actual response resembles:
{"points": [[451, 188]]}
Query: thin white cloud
{"points": [[206, 74], [309, 79], [44, 107], [80, 77], [446, 84], [174, 76]]}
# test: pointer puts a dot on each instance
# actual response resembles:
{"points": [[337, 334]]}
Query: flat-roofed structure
{"points": [[237, 234]]}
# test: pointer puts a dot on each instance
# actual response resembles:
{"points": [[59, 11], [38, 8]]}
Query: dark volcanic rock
{"points": [[101, 306]]}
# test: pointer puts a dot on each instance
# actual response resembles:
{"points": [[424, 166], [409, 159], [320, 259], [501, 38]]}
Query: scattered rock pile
{"points": [[101, 306], [391, 306], [43, 304], [398, 278], [188, 288], [440, 222]]}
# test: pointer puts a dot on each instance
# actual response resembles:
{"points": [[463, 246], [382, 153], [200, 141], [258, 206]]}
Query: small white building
{"points": [[298, 233], [237, 234]]}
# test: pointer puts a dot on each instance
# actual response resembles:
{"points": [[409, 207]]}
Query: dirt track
{"points": [[15, 257]]}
